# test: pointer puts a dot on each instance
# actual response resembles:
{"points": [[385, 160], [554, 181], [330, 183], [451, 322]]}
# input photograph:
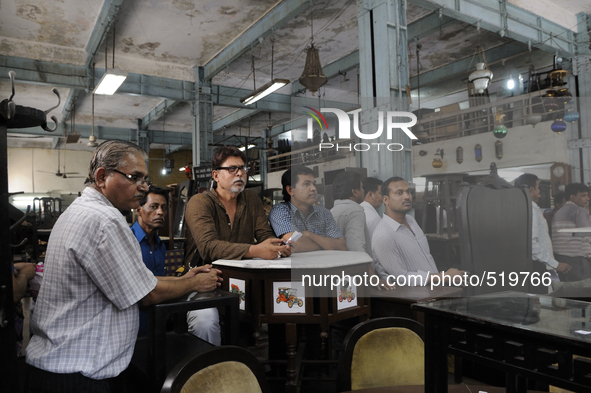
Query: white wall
{"points": [[522, 146], [33, 170]]}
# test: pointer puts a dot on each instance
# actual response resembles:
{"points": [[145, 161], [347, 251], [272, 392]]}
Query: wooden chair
{"points": [[382, 352], [226, 369]]}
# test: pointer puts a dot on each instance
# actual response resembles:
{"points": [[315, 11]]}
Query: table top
{"points": [[536, 313], [421, 389], [416, 294], [304, 260]]}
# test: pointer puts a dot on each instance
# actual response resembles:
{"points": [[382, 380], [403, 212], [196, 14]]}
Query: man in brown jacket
{"points": [[227, 222]]}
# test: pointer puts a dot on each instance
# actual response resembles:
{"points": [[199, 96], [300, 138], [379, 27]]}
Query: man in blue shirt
{"points": [[299, 213], [150, 217]]}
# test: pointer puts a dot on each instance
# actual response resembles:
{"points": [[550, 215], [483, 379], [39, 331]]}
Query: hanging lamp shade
{"points": [[571, 115], [500, 131], [550, 101], [558, 126], [313, 78], [564, 96], [480, 77]]}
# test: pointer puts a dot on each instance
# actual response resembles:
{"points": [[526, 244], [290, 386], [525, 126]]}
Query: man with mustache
{"points": [[229, 222], [300, 213], [86, 318], [398, 243]]}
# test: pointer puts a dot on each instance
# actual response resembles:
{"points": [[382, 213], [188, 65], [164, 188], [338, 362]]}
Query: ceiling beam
{"points": [[510, 21], [105, 20], [272, 20], [159, 110], [154, 136], [234, 117], [428, 25], [460, 68]]}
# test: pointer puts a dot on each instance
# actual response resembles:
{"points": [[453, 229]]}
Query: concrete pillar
{"points": [[383, 64]]}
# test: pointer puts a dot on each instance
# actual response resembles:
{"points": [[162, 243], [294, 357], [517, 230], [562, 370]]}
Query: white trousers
{"points": [[205, 324]]}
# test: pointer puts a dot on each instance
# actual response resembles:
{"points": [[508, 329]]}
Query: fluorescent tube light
{"points": [[264, 91], [250, 146], [110, 82]]}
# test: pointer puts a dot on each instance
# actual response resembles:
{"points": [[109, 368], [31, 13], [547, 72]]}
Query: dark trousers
{"points": [[581, 268], [41, 381]]}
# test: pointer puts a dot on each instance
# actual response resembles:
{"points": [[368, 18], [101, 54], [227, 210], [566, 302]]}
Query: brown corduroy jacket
{"points": [[208, 227]]}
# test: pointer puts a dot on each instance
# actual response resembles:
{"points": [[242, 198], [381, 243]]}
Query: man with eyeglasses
{"points": [[229, 222], [398, 243], [86, 317]]}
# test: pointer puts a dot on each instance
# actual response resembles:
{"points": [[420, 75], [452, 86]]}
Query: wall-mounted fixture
{"points": [[499, 149], [422, 153], [168, 165], [478, 152], [437, 163], [460, 155]]}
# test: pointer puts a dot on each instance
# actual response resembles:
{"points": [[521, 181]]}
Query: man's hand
{"points": [[206, 281], [25, 269], [454, 272], [269, 249], [563, 268]]}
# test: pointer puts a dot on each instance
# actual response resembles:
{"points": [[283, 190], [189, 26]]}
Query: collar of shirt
{"points": [[367, 205], [240, 199], [140, 234], [392, 222], [295, 210]]}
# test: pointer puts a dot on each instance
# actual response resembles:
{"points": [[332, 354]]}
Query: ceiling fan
{"points": [[64, 174]]}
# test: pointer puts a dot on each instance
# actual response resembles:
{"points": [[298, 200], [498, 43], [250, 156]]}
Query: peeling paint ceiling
{"points": [[169, 38]]}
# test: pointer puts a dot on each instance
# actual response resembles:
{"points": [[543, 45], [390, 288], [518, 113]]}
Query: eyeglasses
{"points": [[233, 169], [134, 178]]}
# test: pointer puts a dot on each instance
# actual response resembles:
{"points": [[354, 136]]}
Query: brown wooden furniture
{"points": [[320, 305], [224, 378]]}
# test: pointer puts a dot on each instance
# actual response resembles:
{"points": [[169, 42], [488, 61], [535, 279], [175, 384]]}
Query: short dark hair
{"points": [[559, 197], [527, 179], [286, 178], [574, 189], [154, 190], [344, 184], [371, 184], [386, 184], [221, 154]]}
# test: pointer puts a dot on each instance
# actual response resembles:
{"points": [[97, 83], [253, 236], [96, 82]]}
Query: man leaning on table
{"points": [[300, 213], [574, 250], [398, 243], [86, 317]]}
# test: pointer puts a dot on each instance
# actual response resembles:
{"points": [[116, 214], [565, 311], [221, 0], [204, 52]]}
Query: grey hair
{"points": [[112, 154]]}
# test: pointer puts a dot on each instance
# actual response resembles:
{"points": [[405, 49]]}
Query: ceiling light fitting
{"points": [[312, 77], [110, 82], [264, 91], [482, 75]]}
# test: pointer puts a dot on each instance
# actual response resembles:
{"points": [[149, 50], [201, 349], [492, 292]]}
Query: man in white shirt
{"points": [[372, 202], [398, 243], [541, 243]]}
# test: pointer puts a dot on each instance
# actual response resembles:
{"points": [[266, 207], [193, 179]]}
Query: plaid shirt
{"points": [[86, 316], [285, 218]]}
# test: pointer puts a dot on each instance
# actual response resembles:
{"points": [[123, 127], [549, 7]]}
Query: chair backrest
{"points": [[226, 369], [495, 232], [173, 260], [382, 352]]}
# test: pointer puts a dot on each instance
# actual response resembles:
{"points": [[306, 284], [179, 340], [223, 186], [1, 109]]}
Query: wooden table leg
{"points": [[291, 341], [435, 358]]}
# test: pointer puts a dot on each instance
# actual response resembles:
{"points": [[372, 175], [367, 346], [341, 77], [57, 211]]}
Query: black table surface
{"points": [[538, 314]]}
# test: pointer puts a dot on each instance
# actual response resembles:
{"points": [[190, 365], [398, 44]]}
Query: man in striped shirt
{"points": [[574, 250]]}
